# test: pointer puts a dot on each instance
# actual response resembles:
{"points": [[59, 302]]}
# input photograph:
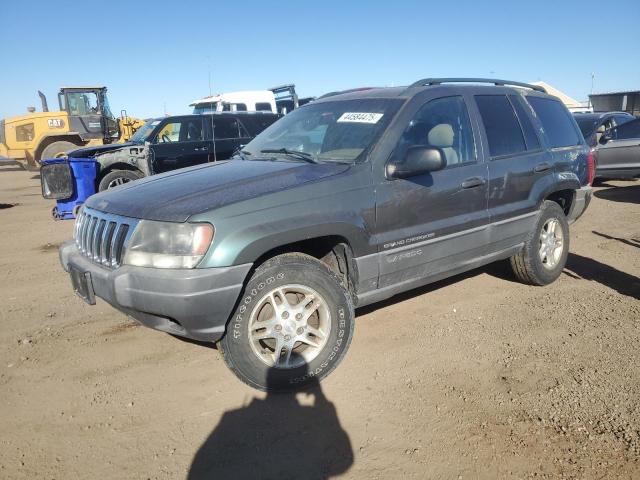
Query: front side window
{"points": [[587, 125], [501, 125], [557, 122], [231, 107], [339, 131], [82, 103], [442, 123], [189, 130]]}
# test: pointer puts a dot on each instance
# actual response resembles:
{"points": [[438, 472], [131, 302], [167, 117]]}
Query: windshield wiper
{"points": [[241, 153], [307, 157]]}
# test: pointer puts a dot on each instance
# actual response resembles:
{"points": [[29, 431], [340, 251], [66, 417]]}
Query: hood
{"points": [[177, 195], [93, 151]]}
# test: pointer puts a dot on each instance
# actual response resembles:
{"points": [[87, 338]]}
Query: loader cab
{"points": [[89, 112]]}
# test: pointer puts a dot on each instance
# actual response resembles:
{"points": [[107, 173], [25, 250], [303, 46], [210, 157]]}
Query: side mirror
{"points": [[418, 161]]}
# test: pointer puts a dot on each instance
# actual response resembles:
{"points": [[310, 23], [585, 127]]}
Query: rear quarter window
{"points": [[628, 130], [557, 122]]}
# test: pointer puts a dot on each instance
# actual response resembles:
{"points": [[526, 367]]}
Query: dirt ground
{"points": [[474, 377]]}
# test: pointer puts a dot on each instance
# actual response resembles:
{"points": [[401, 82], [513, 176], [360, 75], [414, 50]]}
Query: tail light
{"points": [[591, 167]]}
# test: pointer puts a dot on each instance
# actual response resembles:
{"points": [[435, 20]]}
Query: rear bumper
{"points": [[580, 203], [193, 303]]}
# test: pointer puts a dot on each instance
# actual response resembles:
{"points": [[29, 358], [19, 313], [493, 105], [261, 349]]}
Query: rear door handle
{"points": [[542, 167], [473, 182]]}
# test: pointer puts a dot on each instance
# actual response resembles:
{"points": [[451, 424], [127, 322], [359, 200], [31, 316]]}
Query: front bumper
{"points": [[580, 203], [193, 303]]}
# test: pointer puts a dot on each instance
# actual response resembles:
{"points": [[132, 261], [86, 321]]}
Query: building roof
{"points": [[566, 99], [624, 92]]}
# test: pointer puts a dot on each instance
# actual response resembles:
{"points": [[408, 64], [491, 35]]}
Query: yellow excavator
{"points": [[83, 120]]}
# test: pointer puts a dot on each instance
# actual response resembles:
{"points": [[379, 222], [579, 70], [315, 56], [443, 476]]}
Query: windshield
{"points": [[205, 108], [341, 131], [144, 132], [587, 125]]}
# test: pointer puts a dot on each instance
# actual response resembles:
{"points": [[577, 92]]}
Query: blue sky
{"points": [[157, 55]]}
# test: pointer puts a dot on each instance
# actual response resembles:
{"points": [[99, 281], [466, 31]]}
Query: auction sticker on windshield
{"points": [[360, 117]]}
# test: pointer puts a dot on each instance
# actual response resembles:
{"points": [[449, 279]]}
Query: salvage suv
{"points": [[344, 202]]}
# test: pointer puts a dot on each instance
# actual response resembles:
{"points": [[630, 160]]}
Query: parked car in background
{"points": [[344, 202], [615, 139], [281, 99], [617, 154], [168, 143], [593, 125]]}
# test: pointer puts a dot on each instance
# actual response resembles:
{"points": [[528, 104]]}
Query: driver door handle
{"points": [[542, 167], [201, 149], [473, 182]]}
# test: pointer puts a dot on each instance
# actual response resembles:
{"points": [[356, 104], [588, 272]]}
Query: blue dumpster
{"points": [[69, 181]]}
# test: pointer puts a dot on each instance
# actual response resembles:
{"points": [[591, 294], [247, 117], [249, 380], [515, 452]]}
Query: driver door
{"points": [[179, 143], [434, 221], [619, 148]]}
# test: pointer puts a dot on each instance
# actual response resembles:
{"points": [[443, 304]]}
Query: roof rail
{"points": [[437, 81]]}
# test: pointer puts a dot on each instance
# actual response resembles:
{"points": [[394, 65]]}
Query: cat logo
{"points": [[55, 123]]}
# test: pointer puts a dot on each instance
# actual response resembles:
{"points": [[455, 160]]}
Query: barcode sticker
{"points": [[360, 117]]}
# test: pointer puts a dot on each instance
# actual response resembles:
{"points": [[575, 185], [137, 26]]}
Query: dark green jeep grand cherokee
{"points": [[345, 202]]}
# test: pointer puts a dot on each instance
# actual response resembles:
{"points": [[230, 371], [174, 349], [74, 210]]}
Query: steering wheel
{"points": [[165, 138]]}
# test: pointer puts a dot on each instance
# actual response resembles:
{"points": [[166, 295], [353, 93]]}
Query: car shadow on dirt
{"points": [[632, 242], [500, 269], [276, 437], [628, 194], [585, 268]]}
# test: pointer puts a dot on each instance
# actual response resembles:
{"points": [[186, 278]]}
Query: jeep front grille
{"points": [[102, 237]]}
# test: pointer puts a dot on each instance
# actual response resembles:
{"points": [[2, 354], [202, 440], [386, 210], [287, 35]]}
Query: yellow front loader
{"points": [[84, 119]]}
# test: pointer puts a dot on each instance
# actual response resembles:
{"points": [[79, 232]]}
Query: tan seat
{"points": [[442, 136]]}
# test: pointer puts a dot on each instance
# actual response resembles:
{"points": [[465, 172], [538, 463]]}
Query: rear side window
{"points": [[258, 123], [556, 122], [225, 128], [501, 125], [263, 107]]}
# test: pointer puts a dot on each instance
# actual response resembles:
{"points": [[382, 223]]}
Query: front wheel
{"points": [[545, 251], [116, 178], [292, 326]]}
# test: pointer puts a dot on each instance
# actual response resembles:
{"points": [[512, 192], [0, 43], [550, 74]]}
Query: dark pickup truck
{"points": [[346, 201]]}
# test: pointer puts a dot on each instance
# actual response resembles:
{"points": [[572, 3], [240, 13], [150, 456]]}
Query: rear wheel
{"points": [[545, 252], [292, 326], [118, 177]]}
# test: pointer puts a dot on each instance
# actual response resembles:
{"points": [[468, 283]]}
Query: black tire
{"points": [[527, 265], [289, 271], [57, 148], [114, 176]]}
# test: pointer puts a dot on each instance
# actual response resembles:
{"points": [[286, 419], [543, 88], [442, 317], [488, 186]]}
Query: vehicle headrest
{"points": [[441, 136]]}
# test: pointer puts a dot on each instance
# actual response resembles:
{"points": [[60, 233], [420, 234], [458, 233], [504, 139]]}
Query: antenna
{"points": [[209, 70]]}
